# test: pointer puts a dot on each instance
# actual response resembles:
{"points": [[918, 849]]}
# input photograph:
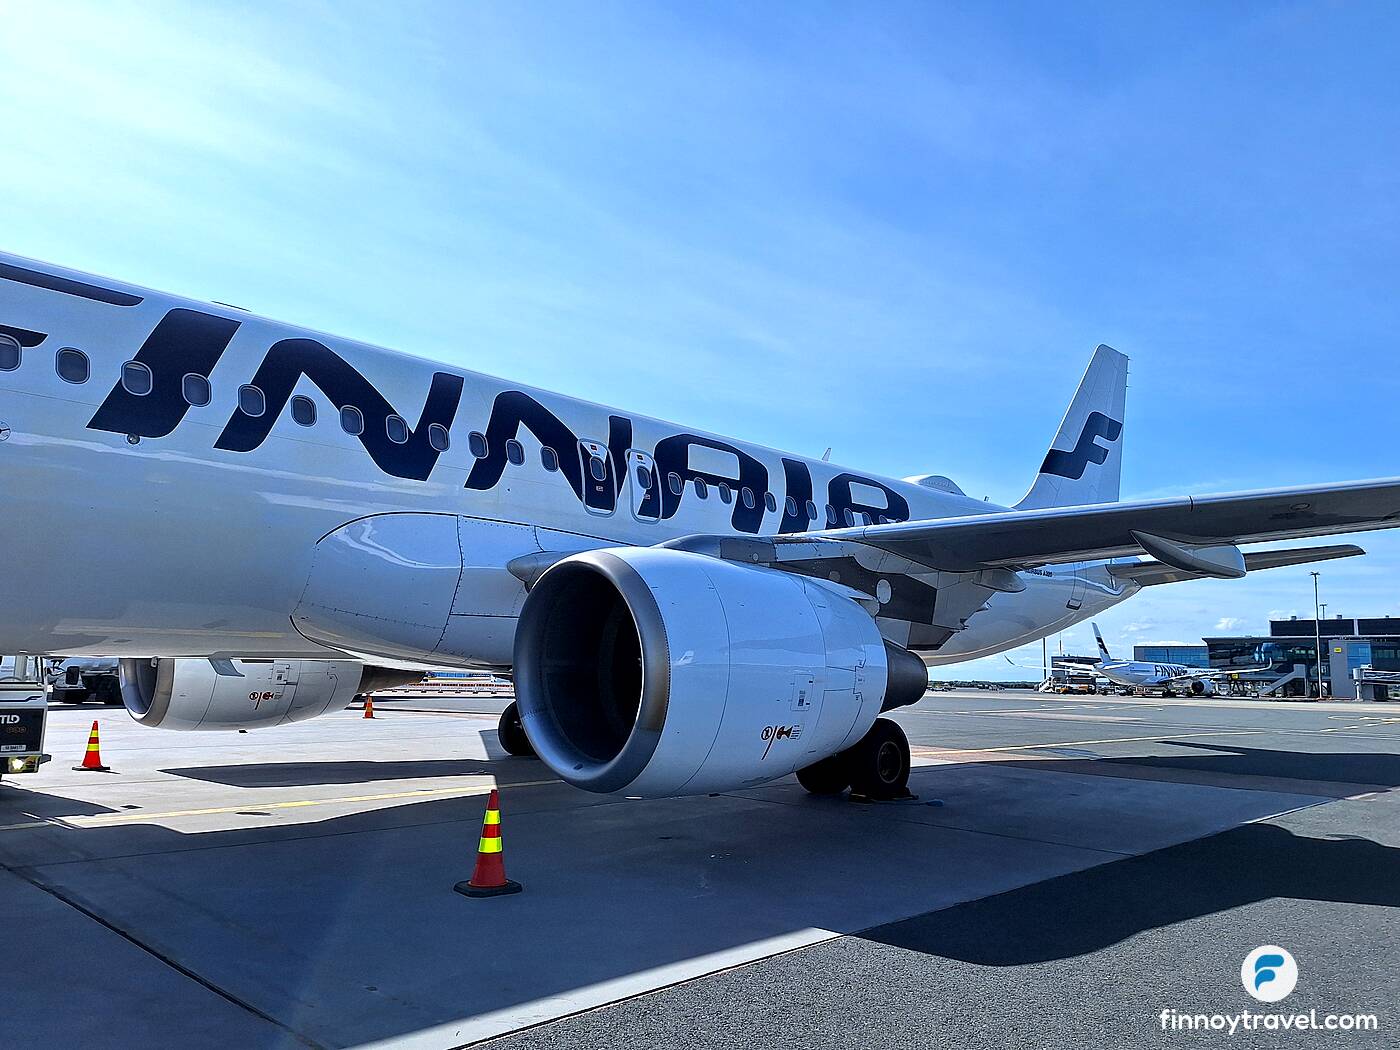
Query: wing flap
{"points": [[1151, 573]]}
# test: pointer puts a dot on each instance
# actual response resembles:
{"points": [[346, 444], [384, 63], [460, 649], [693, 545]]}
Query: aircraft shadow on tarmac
{"points": [[1087, 911], [1090, 910]]}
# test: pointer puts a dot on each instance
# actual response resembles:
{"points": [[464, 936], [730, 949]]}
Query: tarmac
{"points": [[1072, 867]]}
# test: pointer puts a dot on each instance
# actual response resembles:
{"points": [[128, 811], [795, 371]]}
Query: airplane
{"points": [[1142, 674], [263, 521]]}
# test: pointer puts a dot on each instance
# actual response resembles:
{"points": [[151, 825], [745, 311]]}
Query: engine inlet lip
{"points": [[548, 740], [147, 688]]}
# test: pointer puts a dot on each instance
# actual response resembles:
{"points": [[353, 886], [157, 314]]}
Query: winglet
{"points": [[1086, 458]]}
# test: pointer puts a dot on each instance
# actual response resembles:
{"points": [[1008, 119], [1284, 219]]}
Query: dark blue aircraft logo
{"points": [[1073, 463]]}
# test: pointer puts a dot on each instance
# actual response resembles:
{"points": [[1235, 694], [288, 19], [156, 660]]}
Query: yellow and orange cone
{"points": [[92, 758], [369, 707], [489, 878]]}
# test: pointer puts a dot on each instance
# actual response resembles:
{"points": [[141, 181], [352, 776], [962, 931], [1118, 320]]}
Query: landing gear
{"points": [[877, 767], [512, 734], [879, 764], [827, 777]]}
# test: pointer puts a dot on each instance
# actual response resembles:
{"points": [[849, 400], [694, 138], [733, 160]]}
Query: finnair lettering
{"points": [[188, 342]]}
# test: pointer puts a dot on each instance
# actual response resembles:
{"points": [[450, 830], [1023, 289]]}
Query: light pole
{"points": [[1317, 633]]}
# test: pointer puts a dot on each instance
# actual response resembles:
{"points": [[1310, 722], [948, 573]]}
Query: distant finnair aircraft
{"points": [[1141, 674], [263, 521]]}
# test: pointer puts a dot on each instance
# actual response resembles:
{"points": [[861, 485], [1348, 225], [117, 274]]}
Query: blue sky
{"points": [[894, 229]]}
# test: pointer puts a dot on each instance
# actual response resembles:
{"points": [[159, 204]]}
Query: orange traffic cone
{"points": [[489, 878], [369, 707], [92, 758]]}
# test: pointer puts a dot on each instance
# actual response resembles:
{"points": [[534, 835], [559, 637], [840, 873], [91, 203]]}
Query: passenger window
{"points": [[251, 401], [476, 441], [597, 468], [725, 494], [674, 481], [644, 478], [437, 437], [831, 518], [515, 452], [811, 511], [848, 517], [701, 489], [747, 495], [397, 429], [10, 353], [549, 459], [352, 420], [136, 378], [73, 365], [770, 501], [195, 389], [303, 411]]}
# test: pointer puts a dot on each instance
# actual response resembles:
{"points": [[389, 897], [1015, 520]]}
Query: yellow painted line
{"points": [[31, 824], [1165, 737], [128, 817]]}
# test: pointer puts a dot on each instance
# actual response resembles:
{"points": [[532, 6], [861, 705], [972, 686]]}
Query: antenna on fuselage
{"points": [[826, 456]]}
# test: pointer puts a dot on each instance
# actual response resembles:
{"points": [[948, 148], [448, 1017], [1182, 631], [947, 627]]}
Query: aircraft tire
{"points": [[827, 777], [879, 764], [512, 734]]}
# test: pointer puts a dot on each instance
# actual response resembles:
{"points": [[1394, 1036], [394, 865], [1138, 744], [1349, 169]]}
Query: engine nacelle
{"points": [[238, 694], [654, 672], [1202, 687]]}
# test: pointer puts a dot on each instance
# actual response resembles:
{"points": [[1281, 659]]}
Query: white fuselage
{"points": [[1140, 674], [150, 524]]}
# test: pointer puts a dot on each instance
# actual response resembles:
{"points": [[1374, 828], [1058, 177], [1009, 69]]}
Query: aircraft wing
{"points": [[1174, 530]]}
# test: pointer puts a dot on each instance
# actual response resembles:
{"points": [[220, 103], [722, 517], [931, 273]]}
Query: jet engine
{"points": [[1202, 687], [245, 694], [656, 672]]}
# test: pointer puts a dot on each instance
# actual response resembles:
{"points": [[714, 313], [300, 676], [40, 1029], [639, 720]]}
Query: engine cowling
{"points": [[243, 694], [653, 672]]}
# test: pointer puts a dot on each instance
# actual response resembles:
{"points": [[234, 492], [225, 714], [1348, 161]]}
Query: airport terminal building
{"points": [[1350, 645]]}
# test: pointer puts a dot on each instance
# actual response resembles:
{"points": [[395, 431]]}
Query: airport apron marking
{"points": [[104, 819]]}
